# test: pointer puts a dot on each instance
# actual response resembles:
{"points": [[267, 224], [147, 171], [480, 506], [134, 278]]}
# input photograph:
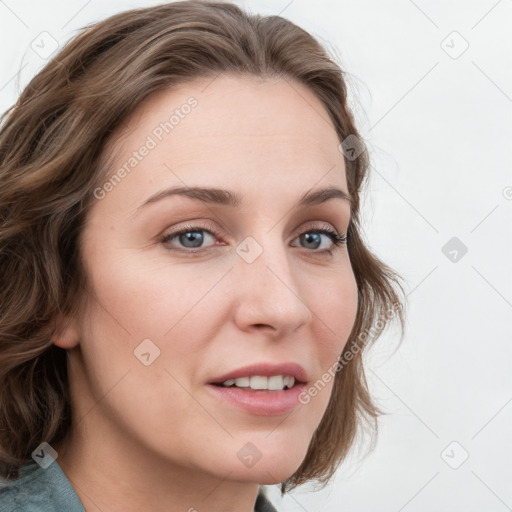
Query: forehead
{"points": [[243, 102], [270, 135]]}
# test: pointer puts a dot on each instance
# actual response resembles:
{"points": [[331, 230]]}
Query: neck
{"points": [[110, 473], [111, 469]]}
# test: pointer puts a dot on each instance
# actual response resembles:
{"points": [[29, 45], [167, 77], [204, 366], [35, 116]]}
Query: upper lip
{"points": [[266, 369]]}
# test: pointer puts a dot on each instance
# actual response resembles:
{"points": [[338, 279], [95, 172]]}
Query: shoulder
{"points": [[39, 490], [26, 494]]}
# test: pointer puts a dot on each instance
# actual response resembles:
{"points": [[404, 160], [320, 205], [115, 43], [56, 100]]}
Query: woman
{"points": [[186, 293]]}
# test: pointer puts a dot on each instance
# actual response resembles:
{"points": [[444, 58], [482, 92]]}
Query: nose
{"points": [[268, 293]]}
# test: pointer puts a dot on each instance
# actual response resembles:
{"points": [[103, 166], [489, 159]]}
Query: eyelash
{"points": [[337, 239]]}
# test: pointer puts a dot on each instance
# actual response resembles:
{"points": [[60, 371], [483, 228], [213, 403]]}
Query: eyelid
{"points": [[195, 225], [191, 225]]}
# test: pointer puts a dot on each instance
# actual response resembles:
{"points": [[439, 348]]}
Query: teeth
{"points": [[289, 381], [276, 382], [258, 382]]}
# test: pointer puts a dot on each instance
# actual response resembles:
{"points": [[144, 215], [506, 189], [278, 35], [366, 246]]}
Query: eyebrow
{"points": [[228, 198]]}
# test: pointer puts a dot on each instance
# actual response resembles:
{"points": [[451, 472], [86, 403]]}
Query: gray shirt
{"points": [[49, 490]]}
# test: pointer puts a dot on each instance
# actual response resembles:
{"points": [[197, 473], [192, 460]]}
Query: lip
{"points": [[266, 370], [260, 402]]}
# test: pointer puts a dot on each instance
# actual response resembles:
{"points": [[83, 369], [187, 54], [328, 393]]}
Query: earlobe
{"points": [[65, 334]]}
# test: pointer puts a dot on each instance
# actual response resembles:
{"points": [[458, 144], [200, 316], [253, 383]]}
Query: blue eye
{"points": [[314, 235], [191, 238]]}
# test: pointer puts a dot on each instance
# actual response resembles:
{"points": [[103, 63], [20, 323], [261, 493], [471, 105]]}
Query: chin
{"points": [[268, 472], [276, 476]]}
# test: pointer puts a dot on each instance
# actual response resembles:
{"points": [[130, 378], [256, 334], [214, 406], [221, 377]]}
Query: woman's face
{"points": [[244, 284]]}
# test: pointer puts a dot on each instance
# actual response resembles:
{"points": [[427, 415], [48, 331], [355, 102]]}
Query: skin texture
{"points": [[152, 437]]}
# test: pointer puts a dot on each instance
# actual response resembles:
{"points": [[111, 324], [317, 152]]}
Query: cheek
{"points": [[335, 306], [147, 295], [334, 310], [139, 299]]}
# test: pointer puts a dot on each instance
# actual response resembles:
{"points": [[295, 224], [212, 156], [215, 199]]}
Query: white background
{"points": [[439, 130]]}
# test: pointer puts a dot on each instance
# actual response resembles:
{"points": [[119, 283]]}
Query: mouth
{"points": [[263, 375], [258, 402], [262, 389], [259, 383]]}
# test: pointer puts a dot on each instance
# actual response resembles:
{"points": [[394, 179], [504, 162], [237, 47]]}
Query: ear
{"points": [[65, 334]]}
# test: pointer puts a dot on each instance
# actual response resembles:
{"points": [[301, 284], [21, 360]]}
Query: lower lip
{"points": [[262, 401]]}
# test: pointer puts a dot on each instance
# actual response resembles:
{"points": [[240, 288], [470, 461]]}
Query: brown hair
{"points": [[52, 142]]}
